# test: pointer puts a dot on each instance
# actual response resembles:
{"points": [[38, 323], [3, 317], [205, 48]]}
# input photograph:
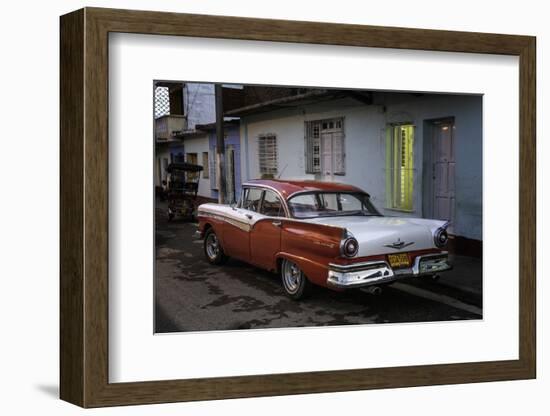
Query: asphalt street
{"points": [[192, 295]]}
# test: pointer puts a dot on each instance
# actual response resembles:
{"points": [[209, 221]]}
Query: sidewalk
{"points": [[466, 274]]}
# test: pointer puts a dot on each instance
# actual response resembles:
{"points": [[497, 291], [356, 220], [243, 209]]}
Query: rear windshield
{"points": [[326, 204]]}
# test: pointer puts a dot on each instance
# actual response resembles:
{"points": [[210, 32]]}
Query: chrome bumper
{"points": [[378, 272]]}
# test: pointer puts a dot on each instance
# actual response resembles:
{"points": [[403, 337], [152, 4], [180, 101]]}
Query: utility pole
{"points": [[220, 145]]}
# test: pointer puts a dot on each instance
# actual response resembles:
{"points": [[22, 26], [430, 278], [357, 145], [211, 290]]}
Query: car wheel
{"points": [[213, 249], [295, 282]]}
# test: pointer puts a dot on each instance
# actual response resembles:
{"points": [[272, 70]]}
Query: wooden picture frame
{"points": [[84, 207]]}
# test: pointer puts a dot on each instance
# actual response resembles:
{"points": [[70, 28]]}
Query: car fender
{"points": [[311, 246]]}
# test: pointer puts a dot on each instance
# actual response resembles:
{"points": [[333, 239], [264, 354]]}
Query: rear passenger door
{"points": [[237, 226], [265, 235]]}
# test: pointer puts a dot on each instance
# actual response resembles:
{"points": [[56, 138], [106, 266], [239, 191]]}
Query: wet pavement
{"points": [[192, 295]]}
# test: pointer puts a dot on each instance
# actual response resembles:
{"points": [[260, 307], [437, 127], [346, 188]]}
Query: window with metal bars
{"points": [[313, 146], [400, 167], [267, 154]]}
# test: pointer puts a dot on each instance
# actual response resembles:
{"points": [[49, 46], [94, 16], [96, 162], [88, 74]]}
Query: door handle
{"points": [[276, 223], [249, 216]]}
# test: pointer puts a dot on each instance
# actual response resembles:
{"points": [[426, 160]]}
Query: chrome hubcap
{"points": [[212, 246], [292, 276]]}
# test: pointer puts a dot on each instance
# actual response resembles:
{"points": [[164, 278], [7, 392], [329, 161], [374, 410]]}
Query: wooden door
{"points": [[327, 159], [230, 173], [332, 160], [444, 172]]}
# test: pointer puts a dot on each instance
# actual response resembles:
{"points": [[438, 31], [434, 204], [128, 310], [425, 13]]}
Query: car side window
{"points": [[252, 199], [271, 205]]}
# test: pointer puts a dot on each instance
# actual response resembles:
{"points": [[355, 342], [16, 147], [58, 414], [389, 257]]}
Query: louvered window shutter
{"points": [[400, 172], [267, 154]]}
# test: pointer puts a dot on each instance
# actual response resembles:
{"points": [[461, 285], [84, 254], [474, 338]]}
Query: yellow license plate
{"points": [[399, 260]]}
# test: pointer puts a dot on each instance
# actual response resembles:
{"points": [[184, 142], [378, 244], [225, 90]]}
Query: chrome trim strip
{"points": [[359, 191], [370, 281], [373, 273], [205, 212], [243, 225], [398, 245], [357, 266], [310, 191]]}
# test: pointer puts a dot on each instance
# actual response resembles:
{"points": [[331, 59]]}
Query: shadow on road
{"points": [[193, 295]]}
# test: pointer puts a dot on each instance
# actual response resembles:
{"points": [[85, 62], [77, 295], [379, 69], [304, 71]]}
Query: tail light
{"points": [[441, 237], [349, 247]]}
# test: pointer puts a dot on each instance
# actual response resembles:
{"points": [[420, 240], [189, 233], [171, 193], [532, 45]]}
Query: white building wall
{"points": [[365, 141], [199, 145], [360, 124]]}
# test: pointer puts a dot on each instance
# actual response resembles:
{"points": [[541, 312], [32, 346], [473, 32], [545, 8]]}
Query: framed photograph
{"points": [[255, 207]]}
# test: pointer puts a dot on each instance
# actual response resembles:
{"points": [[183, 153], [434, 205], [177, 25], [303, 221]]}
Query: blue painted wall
{"points": [[177, 151]]}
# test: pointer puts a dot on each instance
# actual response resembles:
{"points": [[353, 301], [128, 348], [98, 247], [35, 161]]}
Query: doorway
{"points": [[230, 173]]}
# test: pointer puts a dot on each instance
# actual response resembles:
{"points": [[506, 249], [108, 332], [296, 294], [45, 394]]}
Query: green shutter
{"points": [[400, 167], [407, 173], [389, 171]]}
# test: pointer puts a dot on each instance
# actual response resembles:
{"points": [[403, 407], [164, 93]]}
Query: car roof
{"points": [[288, 187]]}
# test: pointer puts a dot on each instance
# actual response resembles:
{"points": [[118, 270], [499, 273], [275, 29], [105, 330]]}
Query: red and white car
{"points": [[322, 233]]}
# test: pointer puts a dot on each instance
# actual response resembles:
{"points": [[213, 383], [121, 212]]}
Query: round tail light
{"points": [[441, 237], [350, 247]]}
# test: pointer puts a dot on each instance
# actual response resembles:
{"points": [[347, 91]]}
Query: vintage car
{"points": [[324, 233]]}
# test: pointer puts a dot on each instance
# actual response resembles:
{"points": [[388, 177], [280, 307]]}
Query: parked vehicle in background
{"points": [[182, 188], [322, 233]]}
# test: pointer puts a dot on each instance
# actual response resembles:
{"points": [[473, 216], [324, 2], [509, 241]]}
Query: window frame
{"points": [[281, 209], [245, 194], [316, 193]]}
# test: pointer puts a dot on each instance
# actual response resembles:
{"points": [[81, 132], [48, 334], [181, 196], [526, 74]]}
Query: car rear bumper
{"points": [[379, 271]]}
